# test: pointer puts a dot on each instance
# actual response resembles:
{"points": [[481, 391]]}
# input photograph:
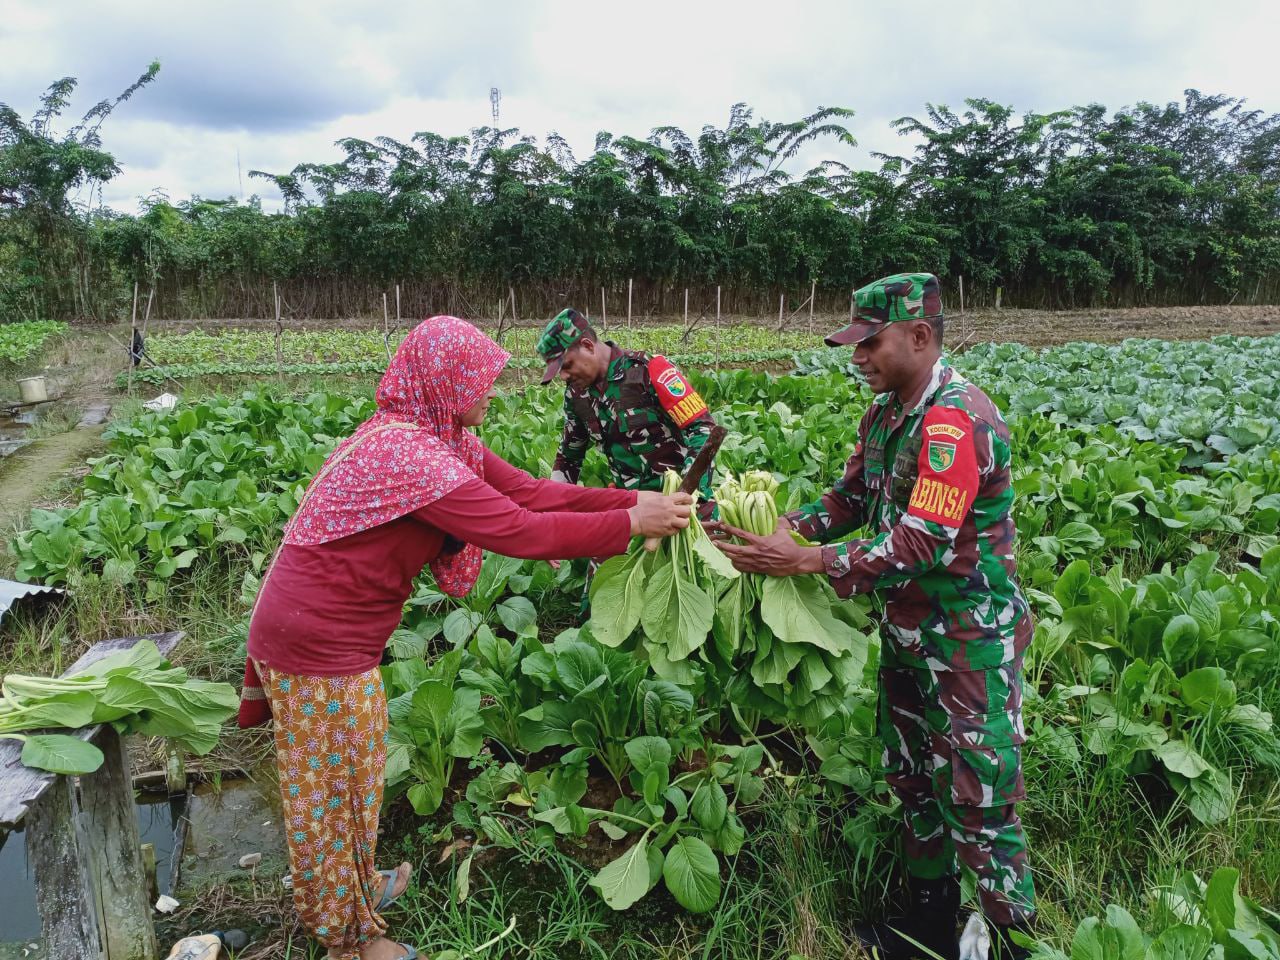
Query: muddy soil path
{"points": [[38, 473]]}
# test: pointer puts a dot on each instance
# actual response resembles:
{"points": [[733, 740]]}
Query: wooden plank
{"points": [[115, 861], [149, 867], [20, 786], [165, 643], [63, 894]]}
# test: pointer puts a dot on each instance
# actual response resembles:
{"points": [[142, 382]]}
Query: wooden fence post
{"points": [[115, 855], [386, 328], [146, 314], [55, 843], [717, 324], [133, 329], [275, 295]]}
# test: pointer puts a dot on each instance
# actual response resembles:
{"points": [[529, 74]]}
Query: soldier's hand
{"points": [[777, 555], [553, 564], [656, 515]]}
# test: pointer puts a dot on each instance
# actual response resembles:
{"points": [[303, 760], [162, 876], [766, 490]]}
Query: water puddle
{"points": [[20, 922], [13, 427], [220, 823], [227, 822]]}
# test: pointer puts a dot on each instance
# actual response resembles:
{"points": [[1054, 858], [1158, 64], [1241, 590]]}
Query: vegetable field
{"points": [[232, 353], [20, 341], [694, 771]]}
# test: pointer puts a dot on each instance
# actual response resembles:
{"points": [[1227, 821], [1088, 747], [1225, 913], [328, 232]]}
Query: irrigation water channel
{"points": [[223, 822]]}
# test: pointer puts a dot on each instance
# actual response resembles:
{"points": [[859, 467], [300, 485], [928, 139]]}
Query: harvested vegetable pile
{"points": [[136, 691]]}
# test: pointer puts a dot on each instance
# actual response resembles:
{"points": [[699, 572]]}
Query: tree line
{"points": [[1150, 204]]}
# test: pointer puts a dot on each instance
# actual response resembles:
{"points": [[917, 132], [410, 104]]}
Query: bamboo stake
{"points": [[852, 294], [514, 318], [782, 302], [397, 306], [133, 327], [813, 289], [146, 314], [275, 295], [386, 330], [604, 314], [629, 283], [686, 306], [962, 294], [717, 325]]}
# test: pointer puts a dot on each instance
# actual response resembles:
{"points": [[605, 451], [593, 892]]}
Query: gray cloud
{"points": [[280, 82]]}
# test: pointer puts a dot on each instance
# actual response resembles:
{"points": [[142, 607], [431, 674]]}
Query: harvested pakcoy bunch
{"points": [[785, 648], [669, 594], [136, 690], [789, 648]]}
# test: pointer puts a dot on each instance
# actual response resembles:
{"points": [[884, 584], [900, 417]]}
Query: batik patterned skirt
{"points": [[331, 748]]}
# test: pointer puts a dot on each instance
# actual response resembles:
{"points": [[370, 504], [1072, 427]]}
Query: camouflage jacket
{"points": [[647, 419], [933, 484]]}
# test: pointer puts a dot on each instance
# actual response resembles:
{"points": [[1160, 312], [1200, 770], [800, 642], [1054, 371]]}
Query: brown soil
{"points": [[1044, 328], [1034, 327]]}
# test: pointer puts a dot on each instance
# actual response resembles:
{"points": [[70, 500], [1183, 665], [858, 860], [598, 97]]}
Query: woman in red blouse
{"points": [[412, 487]]}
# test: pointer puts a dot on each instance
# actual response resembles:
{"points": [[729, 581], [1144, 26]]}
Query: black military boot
{"points": [[930, 921], [1002, 945]]}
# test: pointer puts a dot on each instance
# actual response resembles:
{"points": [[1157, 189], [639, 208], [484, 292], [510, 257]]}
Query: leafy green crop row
{"points": [[20, 341], [375, 367], [339, 346], [1214, 398], [215, 477]]}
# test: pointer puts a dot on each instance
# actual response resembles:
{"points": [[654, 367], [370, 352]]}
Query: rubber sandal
{"points": [[413, 951], [387, 897]]}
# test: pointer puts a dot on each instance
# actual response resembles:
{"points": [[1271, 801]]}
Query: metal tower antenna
{"points": [[495, 97]]}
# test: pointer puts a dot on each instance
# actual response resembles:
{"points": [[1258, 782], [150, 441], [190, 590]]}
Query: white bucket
{"points": [[33, 389]]}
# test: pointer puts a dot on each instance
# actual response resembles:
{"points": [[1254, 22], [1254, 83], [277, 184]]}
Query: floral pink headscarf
{"points": [[441, 370]]}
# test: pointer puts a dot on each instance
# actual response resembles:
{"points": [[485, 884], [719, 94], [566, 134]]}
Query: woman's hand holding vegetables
{"points": [[658, 515]]}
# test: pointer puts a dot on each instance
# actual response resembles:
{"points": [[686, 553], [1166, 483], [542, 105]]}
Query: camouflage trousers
{"points": [[953, 756]]}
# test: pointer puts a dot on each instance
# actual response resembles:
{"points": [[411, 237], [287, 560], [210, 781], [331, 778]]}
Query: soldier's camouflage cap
{"points": [[560, 334], [903, 296]]}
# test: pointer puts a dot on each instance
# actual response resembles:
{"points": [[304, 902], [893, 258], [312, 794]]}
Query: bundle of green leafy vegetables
{"points": [[785, 648], [136, 691], [803, 648]]}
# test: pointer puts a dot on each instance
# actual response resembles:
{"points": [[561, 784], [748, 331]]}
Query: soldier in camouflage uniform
{"points": [[641, 410], [929, 476]]}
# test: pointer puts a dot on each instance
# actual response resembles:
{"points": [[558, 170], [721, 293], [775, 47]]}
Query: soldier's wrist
{"points": [[811, 560]]}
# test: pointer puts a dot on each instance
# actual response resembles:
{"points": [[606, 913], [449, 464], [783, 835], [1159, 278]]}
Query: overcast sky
{"points": [[279, 82]]}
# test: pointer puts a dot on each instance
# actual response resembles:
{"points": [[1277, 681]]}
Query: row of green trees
{"points": [[1177, 203]]}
